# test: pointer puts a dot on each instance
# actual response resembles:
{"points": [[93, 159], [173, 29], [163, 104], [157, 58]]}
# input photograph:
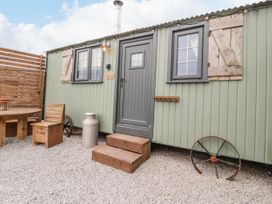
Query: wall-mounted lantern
{"points": [[105, 46]]}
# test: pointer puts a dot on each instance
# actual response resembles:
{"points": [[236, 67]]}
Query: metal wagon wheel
{"points": [[207, 153], [68, 126]]}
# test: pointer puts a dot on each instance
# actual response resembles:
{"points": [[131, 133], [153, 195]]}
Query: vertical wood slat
{"points": [[191, 115], [241, 102], [251, 86], [165, 128], [268, 147], [261, 84], [215, 111]]}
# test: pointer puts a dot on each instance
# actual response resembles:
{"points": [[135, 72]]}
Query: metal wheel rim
{"points": [[68, 126], [238, 167]]}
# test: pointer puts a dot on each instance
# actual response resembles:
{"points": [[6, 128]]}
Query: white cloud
{"points": [[96, 20]]}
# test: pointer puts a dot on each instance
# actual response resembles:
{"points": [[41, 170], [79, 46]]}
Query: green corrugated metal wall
{"points": [[240, 111], [81, 98]]}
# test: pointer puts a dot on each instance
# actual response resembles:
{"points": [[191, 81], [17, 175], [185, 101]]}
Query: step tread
{"points": [[129, 138], [116, 153]]}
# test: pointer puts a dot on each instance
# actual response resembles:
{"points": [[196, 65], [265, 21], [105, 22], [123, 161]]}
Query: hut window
{"points": [[82, 65], [186, 54], [88, 65]]}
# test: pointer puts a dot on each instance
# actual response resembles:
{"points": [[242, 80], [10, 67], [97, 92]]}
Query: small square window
{"points": [[137, 60], [187, 53], [89, 65]]}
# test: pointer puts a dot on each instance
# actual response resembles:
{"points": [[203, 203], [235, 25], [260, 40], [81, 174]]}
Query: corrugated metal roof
{"points": [[189, 20]]}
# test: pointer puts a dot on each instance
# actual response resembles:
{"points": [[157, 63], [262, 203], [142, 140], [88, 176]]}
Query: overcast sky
{"points": [[40, 25]]}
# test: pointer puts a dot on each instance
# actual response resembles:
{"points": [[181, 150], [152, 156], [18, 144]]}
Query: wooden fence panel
{"points": [[22, 78]]}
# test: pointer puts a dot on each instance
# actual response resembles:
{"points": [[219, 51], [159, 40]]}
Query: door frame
{"points": [[154, 35]]}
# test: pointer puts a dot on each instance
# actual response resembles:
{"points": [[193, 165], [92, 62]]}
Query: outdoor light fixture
{"points": [[105, 46]]}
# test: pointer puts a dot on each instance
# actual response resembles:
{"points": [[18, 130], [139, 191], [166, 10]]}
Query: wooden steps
{"points": [[131, 143], [117, 158], [122, 152]]}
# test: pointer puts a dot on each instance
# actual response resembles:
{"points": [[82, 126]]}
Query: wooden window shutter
{"points": [[67, 66], [226, 47]]}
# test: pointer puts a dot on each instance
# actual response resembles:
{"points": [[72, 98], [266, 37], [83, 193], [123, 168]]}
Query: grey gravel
{"points": [[66, 174]]}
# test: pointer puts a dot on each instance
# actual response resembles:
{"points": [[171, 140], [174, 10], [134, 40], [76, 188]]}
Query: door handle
{"points": [[122, 81]]}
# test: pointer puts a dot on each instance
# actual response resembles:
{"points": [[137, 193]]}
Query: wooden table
{"points": [[20, 114]]}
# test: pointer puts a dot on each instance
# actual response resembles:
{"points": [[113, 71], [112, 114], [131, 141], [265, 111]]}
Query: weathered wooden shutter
{"points": [[67, 65], [226, 47]]}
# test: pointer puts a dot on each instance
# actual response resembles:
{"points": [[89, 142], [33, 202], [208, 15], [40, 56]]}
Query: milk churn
{"points": [[89, 130]]}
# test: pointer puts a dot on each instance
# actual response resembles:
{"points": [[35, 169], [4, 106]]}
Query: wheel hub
{"points": [[214, 159]]}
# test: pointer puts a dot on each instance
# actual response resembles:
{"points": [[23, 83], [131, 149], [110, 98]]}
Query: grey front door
{"points": [[135, 104]]}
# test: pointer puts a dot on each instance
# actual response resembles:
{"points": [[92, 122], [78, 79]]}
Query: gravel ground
{"points": [[66, 174]]}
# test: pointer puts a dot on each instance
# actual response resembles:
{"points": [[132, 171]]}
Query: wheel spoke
{"points": [[220, 147], [202, 161], [203, 147], [68, 126], [67, 131], [229, 163], [216, 170]]}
